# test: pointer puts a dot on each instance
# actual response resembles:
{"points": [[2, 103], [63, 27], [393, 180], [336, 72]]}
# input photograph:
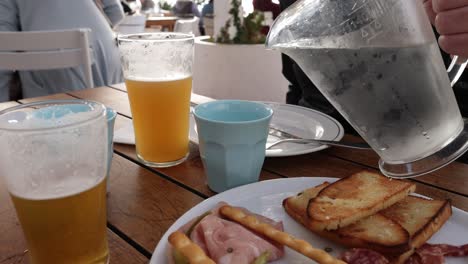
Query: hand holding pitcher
{"points": [[449, 18]]}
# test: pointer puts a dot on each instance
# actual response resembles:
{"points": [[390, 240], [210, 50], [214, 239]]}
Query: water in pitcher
{"points": [[414, 112]]}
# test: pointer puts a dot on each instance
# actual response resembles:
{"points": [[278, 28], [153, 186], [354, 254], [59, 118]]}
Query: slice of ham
{"points": [[363, 256], [227, 242]]}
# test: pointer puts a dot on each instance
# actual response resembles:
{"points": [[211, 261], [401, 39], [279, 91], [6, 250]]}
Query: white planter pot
{"points": [[245, 72]]}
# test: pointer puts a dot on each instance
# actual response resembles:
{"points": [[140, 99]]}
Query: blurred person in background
{"points": [[127, 8], [99, 16], [147, 6], [130, 7], [185, 8], [207, 10], [267, 6]]}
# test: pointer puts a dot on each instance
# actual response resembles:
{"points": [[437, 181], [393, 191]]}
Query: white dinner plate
{"points": [[298, 121], [266, 198]]}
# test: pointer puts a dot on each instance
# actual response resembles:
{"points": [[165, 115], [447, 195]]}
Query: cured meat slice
{"points": [[363, 256], [434, 253]]}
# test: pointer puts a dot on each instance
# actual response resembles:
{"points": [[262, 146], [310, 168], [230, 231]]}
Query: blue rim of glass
{"points": [[94, 105], [269, 109]]}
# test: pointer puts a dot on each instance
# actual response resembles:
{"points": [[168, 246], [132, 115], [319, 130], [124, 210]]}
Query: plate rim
{"points": [[338, 137], [220, 197]]}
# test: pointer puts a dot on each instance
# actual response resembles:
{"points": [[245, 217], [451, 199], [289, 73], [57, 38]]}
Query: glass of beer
{"points": [[158, 75], [54, 163]]}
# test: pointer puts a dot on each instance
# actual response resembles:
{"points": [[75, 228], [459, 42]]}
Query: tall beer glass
{"points": [[54, 164], [158, 74]]}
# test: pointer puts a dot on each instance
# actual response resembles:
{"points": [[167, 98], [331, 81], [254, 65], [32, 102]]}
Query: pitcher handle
{"points": [[455, 70]]}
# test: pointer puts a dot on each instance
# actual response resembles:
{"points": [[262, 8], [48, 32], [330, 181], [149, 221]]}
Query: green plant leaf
{"points": [[248, 29]]}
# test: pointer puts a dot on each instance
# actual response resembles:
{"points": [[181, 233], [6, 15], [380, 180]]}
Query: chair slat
{"points": [[40, 40], [41, 60], [40, 50]]}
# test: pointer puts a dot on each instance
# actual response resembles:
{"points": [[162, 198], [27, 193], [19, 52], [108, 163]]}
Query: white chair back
{"points": [[189, 26], [132, 25], [41, 50]]}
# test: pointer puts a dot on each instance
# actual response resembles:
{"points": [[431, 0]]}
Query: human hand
{"points": [[450, 18]]}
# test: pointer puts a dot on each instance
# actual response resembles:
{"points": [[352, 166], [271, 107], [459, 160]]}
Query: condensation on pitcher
{"points": [[425, 134], [382, 148]]}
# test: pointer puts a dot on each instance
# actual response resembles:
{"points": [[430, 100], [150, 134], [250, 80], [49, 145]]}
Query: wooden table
{"points": [[144, 202], [165, 22]]}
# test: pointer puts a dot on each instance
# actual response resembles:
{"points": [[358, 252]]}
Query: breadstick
{"points": [[190, 250], [301, 246]]}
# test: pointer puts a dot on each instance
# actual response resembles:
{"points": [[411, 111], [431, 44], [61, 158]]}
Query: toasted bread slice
{"points": [[420, 217], [355, 197], [394, 232], [374, 232]]}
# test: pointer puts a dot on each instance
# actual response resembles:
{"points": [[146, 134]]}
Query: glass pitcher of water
{"points": [[378, 63]]}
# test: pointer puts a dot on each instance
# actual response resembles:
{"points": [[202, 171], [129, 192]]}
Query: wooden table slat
{"points": [[113, 98], [119, 86], [453, 177], [6, 105], [143, 205], [60, 96], [317, 164], [122, 252]]}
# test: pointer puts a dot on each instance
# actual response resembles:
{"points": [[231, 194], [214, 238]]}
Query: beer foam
{"points": [[55, 183], [167, 78], [57, 190]]}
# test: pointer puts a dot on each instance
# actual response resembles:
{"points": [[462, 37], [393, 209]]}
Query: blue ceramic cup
{"points": [[232, 136], [74, 107]]}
